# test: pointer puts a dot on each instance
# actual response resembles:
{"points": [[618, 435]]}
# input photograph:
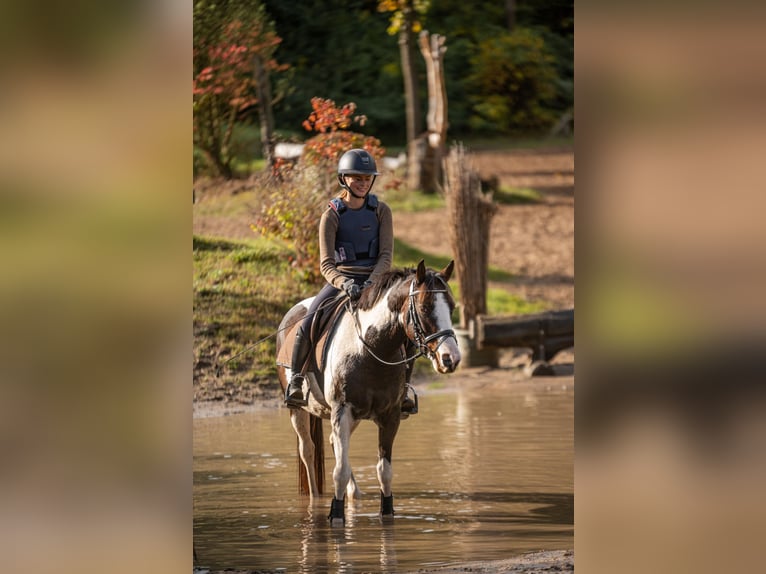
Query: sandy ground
{"points": [[533, 242]]}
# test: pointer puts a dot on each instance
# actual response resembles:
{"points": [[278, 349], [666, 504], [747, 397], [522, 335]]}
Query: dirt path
{"points": [[535, 242]]}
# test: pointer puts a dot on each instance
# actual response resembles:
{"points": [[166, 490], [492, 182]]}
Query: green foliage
{"points": [[400, 10], [342, 49], [513, 81], [228, 36], [291, 214], [242, 289]]}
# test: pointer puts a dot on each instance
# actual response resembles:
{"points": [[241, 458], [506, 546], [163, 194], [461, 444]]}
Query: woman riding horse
{"points": [[362, 374], [356, 246]]}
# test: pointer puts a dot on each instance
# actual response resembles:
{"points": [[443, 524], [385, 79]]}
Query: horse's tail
{"points": [[317, 437]]}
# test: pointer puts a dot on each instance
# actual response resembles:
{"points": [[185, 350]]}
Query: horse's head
{"points": [[429, 317]]}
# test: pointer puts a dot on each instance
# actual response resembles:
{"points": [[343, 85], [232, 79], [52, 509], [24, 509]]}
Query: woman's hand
{"points": [[352, 289]]}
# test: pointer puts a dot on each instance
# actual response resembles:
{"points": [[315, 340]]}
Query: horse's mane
{"points": [[383, 283], [372, 294]]}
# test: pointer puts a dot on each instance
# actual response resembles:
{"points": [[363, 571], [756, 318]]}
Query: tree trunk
{"points": [[470, 212], [411, 99], [416, 160], [510, 14], [409, 72], [433, 49], [265, 111]]}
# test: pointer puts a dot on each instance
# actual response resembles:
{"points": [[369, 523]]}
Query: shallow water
{"points": [[478, 475]]}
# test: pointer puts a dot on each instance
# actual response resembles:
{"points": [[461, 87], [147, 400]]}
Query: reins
{"points": [[353, 312]]}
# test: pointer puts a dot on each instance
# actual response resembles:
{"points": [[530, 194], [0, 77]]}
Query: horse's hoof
{"points": [[337, 515]]}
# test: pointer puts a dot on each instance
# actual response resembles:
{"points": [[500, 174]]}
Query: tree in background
{"points": [[339, 48], [230, 38], [405, 23], [513, 82]]}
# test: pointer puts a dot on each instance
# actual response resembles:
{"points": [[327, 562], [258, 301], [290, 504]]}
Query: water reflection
{"points": [[477, 475]]}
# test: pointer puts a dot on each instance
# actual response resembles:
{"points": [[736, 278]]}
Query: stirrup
{"points": [[296, 398], [409, 406]]}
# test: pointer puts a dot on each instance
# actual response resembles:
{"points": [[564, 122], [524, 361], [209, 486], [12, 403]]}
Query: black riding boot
{"points": [[409, 406], [294, 392]]}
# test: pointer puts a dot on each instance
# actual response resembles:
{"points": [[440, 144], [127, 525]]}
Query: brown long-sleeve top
{"points": [[333, 272]]}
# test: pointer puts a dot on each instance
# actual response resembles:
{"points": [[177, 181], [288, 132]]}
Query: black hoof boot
{"points": [[294, 393], [386, 506], [337, 514]]}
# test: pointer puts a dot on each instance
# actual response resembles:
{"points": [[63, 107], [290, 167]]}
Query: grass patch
{"points": [[500, 302], [242, 289], [412, 201], [516, 195], [405, 255]]}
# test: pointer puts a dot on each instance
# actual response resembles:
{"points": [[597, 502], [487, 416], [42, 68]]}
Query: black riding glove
{"points": [[352, 289]]}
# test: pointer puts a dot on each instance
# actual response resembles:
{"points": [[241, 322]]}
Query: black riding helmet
{"points": [[356, 162]]}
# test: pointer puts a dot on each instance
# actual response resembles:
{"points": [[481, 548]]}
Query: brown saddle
{"points": [[322, 325]]}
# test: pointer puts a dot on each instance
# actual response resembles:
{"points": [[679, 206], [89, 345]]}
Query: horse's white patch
{"points": [[343, 343], [443, 319], [442, 316], [378, 315], [385, 476]]}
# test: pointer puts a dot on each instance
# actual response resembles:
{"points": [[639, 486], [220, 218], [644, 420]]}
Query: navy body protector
{"points": [[356, 242]]}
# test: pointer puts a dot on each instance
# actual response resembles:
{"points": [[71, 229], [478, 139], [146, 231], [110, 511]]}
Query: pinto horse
{"points": [[360, 373]]}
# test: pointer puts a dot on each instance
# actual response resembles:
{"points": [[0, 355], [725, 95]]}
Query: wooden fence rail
{"points": [[544, 333]]}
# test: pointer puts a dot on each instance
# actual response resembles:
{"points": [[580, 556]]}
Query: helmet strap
{"points": [[344, 185]]}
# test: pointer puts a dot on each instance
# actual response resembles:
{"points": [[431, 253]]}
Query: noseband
{"points": [[420, 339]]}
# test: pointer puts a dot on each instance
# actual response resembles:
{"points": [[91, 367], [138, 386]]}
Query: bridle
{"points": [[419, 339]]}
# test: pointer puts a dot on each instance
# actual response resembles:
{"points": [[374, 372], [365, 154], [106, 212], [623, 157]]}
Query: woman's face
{"points": [[359, 184]]}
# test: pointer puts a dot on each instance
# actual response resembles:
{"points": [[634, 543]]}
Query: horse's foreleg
{"points": [[306, 451], [386, 436], [342, 425], [352, 489]]}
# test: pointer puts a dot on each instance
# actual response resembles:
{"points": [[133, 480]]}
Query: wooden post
{"points": [[433, 49], [470, 212]]}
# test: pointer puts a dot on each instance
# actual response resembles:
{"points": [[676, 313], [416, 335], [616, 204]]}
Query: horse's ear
{"points": [[446, 273], [420, 273]]}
